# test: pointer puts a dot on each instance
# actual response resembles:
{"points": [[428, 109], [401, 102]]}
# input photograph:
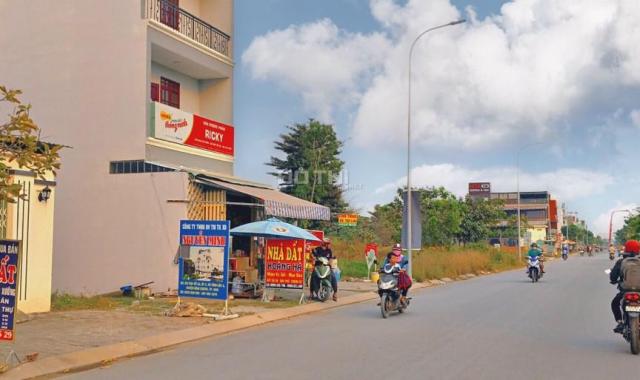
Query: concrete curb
{"points": [[95, 357]]}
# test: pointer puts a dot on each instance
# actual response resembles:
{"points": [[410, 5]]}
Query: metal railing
{"points": [[169, 14]]}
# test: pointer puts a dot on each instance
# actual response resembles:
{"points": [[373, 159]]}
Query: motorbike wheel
{"points": [[324, 293], [635, 338], [384, 300], [534, 275]]}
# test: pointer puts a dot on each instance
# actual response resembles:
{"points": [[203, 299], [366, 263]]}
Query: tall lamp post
{"points": [[518, 190], [611, 222], [413, 44]]}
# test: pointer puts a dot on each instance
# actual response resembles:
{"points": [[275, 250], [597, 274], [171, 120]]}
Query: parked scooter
{"points": [[533, 269], [322, 270], [389, 292]]}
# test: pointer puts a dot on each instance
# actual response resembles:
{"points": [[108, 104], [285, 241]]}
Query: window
{"points": [[155, 92], [169, 92], [135, 166]]}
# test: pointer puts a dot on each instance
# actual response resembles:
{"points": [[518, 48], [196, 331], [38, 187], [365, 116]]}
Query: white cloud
{"points": [[325, 65], [601, 223], [635, 117], [563, 184], [473, 85]]}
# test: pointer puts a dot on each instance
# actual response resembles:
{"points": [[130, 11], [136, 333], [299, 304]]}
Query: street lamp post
{"points": [[611, 222], [413, 44], [518, 190]]}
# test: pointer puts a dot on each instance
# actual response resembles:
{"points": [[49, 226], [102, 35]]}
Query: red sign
{"points": [[211, 135], [284, 264], [371, 247]]}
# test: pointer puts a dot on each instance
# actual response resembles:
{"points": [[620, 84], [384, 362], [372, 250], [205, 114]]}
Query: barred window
{"points": [[136, 166]]}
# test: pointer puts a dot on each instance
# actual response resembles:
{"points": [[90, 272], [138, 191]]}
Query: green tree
{"points": [[442, 214], [630, 229], [20, 143], [480, 220], [311, 164]]}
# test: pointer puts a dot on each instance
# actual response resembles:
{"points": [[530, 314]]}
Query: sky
{"points": [[553, 82]]}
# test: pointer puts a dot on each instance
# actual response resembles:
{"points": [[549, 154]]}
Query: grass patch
{"points": [[351, 268]]}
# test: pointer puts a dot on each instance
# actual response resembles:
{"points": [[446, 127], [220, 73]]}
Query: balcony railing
{"points": [[169, 14]]}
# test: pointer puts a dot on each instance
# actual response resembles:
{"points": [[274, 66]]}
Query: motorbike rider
{"points": [[534, 251], [395, 260], [612, 250], [323, 251], [631, 248]]}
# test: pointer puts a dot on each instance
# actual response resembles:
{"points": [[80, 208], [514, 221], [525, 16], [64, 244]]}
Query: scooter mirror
{"points": [[607, 271]]}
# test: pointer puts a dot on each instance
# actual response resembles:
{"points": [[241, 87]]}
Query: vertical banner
{"points": [[9, 259], [416, 220], [204, 271], [284, 264], [371, 254]]}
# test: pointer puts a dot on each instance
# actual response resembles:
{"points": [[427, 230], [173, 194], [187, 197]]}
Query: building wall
{"points": [[189, 87]]}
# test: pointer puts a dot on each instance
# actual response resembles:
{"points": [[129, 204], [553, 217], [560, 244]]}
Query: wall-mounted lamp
{"points": [[45, 194]]}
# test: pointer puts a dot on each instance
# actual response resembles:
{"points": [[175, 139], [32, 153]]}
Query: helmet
{"points": [[396, 248], [534, 245], [632, 246]]}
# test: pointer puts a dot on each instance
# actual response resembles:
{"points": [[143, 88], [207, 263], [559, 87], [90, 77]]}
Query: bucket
{"points": [[375, 276]]}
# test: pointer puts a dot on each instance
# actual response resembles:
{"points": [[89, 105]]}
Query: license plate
{"points": [[635, 309]]}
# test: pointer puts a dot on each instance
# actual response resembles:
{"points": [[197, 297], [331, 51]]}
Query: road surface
{"points": [[493, 327]]}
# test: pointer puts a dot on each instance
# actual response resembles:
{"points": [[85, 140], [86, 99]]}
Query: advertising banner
{"points": [[204, 271], [284, 264], [416, 221], [347, 219], [371, 254], [9, 259], [480, 189], [177, 126]]}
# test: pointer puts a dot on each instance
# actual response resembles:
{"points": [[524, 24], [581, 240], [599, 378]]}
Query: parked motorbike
{"points": [[389, 292], [534, 268], [322, 270]]}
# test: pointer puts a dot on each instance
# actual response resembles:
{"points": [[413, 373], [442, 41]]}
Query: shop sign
{"points": [[204, 271], [177, 126], [284, 263], [347, 219], [9, 259]]}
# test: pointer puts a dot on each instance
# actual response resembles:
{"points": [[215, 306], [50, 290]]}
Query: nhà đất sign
{"points": [[284, 263], [9, 261]]}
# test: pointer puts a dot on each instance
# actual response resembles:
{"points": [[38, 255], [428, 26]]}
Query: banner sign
{"points": [[9, 259], [480, 189], [204, 272], [416, 220], [284, 264], [177, 126], [347, 219]]}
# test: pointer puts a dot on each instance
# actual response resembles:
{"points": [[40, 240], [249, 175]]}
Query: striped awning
{"points": [[276, 203]]}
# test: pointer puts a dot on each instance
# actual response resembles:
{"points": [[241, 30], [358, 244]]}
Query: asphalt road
{"points": [[494, 327]]}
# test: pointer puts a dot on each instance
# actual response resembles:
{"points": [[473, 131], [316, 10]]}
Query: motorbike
{"points": [[631, 309], [389, 292], [612, 256], [533, 268], [565, 255], [582, 252], [322, 270]]}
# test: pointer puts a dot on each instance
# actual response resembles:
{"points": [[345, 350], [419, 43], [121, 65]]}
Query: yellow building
{"points": [[30, 220]]}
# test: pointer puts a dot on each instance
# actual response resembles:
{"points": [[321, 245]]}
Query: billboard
{"points": [[204, 270], [480, 189], [347, 219], [184, 128], [284, 264], [9, 259]]}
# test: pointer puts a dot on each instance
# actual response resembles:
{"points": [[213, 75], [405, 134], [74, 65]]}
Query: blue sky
{"points": [[574, 87]]}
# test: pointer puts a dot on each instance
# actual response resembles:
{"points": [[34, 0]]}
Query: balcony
{"points": [[188, 25]]}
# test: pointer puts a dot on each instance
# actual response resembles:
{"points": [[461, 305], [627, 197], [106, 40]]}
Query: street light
{"points": [[413, 44], [611, 221], [518, 190]]}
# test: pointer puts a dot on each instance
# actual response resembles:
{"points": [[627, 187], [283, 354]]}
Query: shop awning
{"points": [[276, 203]]}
